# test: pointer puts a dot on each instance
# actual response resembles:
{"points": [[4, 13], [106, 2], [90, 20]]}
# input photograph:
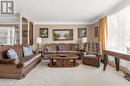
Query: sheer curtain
{"points": [[119, 33], [7, 35]]}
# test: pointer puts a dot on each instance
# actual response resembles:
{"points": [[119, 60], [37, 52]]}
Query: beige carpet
{"points": [[82, 75]]}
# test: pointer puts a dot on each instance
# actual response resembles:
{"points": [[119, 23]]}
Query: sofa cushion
{"points": [[91, 57], [73, 52], [61, 52], [12, 55], [51, 48], [67, 47], [60, 47], [30, 50], [19, 50], [3, 50], [27, 51], [29, 59], [92, 48], [50, 52], [74, 47]]}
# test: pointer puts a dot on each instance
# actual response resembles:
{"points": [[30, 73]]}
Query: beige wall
{"points": [[51, 27], [91, 33]]}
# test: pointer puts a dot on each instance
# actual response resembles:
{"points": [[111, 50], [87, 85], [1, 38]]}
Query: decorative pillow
{"points": [[67, 48], [27, 51], [74, 48], [12, 55], [31, 51], [60, 47], [52, 48]]}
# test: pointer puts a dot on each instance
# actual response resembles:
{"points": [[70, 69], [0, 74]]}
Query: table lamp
{"points": [[84, 40], [38, 41]]}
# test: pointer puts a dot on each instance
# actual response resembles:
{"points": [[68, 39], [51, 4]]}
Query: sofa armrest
{"points": [[44, 50], [34, 51], [7, 61], [20, 65], [98, 54], [11, 61], [84, 53]]}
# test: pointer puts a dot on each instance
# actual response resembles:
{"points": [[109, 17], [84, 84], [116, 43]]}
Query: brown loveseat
{"points": [[61, 48], [8, 67]]}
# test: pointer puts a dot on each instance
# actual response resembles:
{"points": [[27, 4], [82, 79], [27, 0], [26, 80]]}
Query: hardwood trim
{"points": [[117, 56]]}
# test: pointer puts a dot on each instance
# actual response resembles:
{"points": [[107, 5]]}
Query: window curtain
{"points": [[119, 33], [7, 35], [103, 33]]}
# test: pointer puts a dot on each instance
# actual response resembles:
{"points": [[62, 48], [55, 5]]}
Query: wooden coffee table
{"points": [[63, 60]]}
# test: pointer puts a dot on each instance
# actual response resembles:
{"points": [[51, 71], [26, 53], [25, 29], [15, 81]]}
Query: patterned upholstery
{"points": [[61, 48], [12, 55], [50, 48], [91, 54], [92, 48], [9, 68], [27, 51]]}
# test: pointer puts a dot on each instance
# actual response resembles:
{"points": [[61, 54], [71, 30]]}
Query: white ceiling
{"points": [[64, 11]]}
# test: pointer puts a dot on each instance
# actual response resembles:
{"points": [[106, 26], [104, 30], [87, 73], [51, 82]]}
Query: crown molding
{"points": [[61, 23]]}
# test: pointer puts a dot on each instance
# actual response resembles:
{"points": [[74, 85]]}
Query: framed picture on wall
{"points": [[82, 32], [43, 32], [62, 34], [96, 31]]}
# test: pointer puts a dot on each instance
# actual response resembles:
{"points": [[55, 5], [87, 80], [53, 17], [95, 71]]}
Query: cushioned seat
{"points": [[10, 69], [73, 52], [60, 52], [91, 54], [61, 48], [50, 52], [28, 60]]}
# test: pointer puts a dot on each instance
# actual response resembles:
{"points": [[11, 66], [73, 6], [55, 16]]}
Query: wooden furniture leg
{"points": [[105, 62], [75, 62], [117, 62], [51, 62]]}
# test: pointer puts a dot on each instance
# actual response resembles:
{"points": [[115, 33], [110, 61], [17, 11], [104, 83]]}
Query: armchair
{"points": [[91, 54]]}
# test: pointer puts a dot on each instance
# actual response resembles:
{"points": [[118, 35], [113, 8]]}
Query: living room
{"points": [[64, 42]]}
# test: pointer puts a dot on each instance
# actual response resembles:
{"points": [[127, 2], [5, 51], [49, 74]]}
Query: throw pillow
{"points": [[27, 51], [13, 55], [67, 48], [74, 48], [30, 50], [51, 49], [60, 47]]}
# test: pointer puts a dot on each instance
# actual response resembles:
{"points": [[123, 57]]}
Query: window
{"points": [[119, 32], [7, 35]]}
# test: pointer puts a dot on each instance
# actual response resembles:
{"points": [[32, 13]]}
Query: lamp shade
{"points": [[84, 39], [38, 40]]}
